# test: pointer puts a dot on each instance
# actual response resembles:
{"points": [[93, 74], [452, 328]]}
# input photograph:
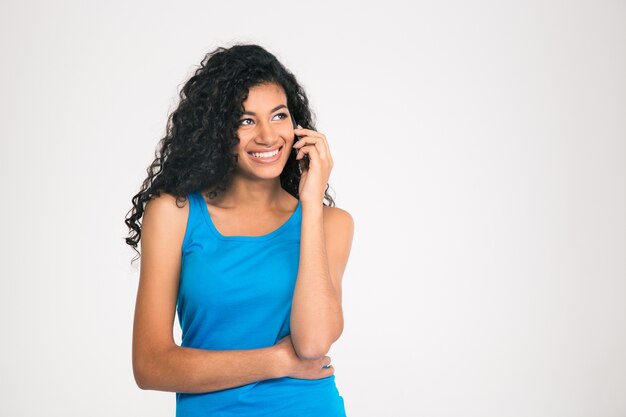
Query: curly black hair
{"points": [[196, 152]]}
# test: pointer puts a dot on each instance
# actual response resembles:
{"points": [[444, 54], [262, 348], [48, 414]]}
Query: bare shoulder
{"points": [[167, 204], [338, 223], [165, 216], [338, 216]]}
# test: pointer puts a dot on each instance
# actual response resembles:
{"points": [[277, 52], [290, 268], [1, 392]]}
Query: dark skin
{"points": [[254, 204]]}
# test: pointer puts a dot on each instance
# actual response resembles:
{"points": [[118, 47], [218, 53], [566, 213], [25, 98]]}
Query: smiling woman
{"points": [[267, 134], [253, 263]]}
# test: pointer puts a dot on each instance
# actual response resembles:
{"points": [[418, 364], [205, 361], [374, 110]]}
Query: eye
{"points": [[284, 116]]}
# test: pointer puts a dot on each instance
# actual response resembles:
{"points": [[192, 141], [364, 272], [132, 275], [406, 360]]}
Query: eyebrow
{"points": [[280, 106]]}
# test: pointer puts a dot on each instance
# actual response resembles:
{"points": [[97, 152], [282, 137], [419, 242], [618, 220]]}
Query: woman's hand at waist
{"points": [[291, 365]]}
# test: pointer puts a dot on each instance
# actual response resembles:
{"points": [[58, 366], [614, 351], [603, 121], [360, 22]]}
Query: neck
{"points": [[258, 194]]}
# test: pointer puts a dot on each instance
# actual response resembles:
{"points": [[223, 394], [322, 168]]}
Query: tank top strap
{"points": [[194, 219]]}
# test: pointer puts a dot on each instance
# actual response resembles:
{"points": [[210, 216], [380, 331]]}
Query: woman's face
{"points": [[264, 127]]}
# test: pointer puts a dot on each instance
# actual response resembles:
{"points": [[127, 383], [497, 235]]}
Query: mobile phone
{"points": [[304, 162]]}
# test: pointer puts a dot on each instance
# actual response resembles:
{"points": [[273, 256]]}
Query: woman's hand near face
{"points": [[295, 367], [314, 179]]}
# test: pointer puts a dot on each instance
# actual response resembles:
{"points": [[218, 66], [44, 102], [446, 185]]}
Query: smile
{"points": [[266, 157]]}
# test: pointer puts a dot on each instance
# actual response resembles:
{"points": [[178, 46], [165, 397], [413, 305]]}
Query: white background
{"points": [[480, 147]]}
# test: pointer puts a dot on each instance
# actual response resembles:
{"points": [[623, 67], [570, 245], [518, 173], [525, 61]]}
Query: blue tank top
{"points": [[235, 292]]}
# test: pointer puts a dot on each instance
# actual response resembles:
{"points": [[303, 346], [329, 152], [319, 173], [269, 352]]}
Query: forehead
{"points": [[265, 97]]}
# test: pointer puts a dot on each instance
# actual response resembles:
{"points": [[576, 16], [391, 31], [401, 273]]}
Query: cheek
{"points": [[241, 146]]}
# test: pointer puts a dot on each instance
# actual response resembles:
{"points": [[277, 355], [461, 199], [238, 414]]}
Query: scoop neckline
{"points": [[267, 236]]}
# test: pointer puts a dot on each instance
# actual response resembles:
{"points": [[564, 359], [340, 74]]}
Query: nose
{"points": [[265, 134]]}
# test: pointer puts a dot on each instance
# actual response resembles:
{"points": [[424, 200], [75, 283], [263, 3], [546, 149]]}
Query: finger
{"points": [[302, 151], [307, 133], [319, 140], [302, 163], [322, 143], [318, 143], [307, 140], [311, 151], [327, 149], [302, 131]]}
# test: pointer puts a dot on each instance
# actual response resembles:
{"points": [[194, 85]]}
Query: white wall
{"points": [[479, 145]]}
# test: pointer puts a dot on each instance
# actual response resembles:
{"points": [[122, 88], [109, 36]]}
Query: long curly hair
{"points": [[196, 153]]}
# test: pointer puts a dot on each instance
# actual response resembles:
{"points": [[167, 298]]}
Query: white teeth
{"points": [[264, 154]]}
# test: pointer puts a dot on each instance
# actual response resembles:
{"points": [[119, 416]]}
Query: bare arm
{"points": [[158, 363], [316, 314], [189, 370]]}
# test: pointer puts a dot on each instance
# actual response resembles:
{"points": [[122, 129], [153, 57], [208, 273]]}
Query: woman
{"points": [[253, 264]]}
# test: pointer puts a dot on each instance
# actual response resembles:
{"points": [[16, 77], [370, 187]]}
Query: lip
{"points": [[267, 150], [267, 160]]}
